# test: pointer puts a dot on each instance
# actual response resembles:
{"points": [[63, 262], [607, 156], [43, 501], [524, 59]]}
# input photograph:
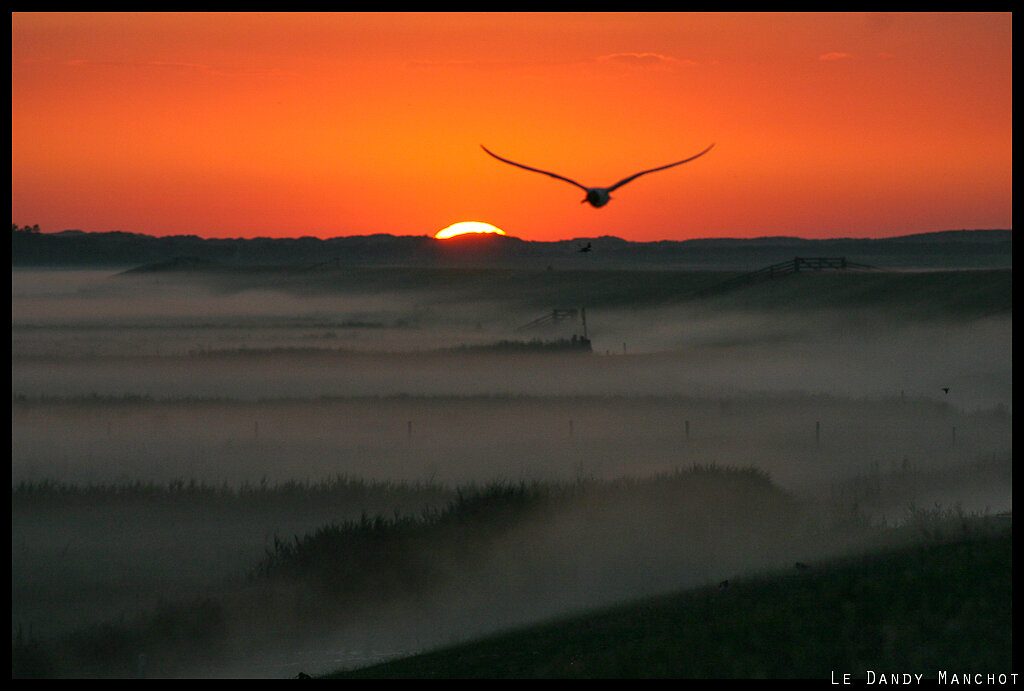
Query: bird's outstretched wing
{"points": [[620, 183], [535, 170]]}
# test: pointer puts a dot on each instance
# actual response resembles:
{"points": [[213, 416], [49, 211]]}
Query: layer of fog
{"points": [[799, 439], [82, 334], [152, 381]]}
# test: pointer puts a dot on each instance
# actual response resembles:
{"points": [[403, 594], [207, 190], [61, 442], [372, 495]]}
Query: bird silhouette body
{"points": [[596, 196]]}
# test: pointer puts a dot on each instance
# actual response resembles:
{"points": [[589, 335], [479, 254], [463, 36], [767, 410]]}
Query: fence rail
{"points": [[794, 265]]}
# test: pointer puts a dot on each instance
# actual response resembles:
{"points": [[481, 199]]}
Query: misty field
{"points": [[257, 472]]}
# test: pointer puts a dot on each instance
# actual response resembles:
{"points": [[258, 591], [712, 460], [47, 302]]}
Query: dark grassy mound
{"points": [[924, 609]]}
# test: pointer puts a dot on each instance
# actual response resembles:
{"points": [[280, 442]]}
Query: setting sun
{"points": [[467, 227]]}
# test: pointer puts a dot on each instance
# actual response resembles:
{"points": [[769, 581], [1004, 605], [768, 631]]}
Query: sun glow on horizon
{"points": [[467, 227]]}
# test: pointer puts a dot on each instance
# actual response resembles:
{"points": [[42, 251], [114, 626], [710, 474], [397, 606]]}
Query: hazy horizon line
{"points": [[506, 236]]}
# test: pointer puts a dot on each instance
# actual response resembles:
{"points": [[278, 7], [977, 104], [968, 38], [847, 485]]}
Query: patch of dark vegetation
{"points": [[382, 558], [335, 554], [574, 344]]}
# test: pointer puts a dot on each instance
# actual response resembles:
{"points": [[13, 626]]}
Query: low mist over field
{"points": [[288, 399]]}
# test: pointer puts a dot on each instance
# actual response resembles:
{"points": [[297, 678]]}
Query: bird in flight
{"points": [[586, 248], [597, 196]]}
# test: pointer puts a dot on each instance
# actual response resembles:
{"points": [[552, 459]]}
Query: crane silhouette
{"points": [[596, 196]]}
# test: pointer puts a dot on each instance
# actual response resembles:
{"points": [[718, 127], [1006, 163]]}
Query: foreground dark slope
{"points": [[940, 607]]}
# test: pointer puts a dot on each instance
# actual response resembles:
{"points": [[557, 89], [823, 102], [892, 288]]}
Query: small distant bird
{"points": [[945, 389], [723, 585], [596, 196], [586, 248], [800, 566]]}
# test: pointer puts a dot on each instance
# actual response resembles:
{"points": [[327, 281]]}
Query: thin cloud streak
{"points": [[645, 60]]}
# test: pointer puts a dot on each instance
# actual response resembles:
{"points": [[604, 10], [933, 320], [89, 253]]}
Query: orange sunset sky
{"points": [[246, 125]]}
